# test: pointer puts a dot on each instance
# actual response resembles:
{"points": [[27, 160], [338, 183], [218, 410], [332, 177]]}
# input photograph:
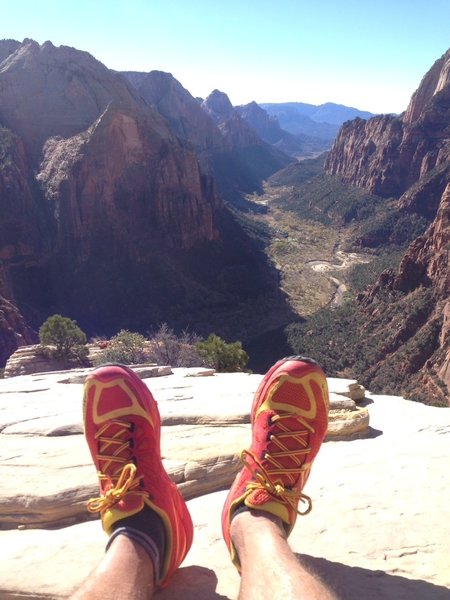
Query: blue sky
{"points": [[362, 53]]}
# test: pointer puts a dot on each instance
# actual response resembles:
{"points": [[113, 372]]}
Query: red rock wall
{"points": [[425, 265], [388, 154]]}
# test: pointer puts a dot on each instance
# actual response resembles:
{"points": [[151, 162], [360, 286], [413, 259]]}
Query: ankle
{"points": [[247, 521], [146, 530]]}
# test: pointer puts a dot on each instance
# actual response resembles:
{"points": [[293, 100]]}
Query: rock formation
{"points": [[407, 158], [14, 331], [7, 47], [360, 554], [228, 148], [388, 154], [103, 207], [218, 106], [151, 185], [268, 128], [182, 111], [425, 269], [249, 159]]}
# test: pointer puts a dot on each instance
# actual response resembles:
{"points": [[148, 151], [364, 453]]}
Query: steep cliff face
{"points": [[435, 81], [267, 126], [121, 179], [248, 159], [218, 106], [20, 218], [427, 260], [67, 88], [182, 111], [106, 216], [421, 344], [388, 154], [7, 47], [404, 318], [14, 331], [228, 148], [363, 154]]}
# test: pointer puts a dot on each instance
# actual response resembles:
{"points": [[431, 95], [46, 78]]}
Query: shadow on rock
{"points": [[192, 583], [367, 434], [356, 583], [365, 402]]}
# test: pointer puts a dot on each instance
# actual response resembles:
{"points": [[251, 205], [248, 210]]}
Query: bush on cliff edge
{"points": [[62, 339], [126, 348], [225, 358]]}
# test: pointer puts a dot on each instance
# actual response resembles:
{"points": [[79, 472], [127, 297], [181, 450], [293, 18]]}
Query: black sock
{"points": [[147, 529]]}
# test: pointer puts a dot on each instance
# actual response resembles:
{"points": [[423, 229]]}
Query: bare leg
{"points": [[126, 571], [269, 568]]}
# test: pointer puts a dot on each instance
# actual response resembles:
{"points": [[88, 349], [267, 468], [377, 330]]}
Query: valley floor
{"points": [[309, 256]]}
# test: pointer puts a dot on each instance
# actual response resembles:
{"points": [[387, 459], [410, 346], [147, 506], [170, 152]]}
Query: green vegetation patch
{"points": [[62, 339], [374, 221], [383, 346], [325, 198], [364, 274]]}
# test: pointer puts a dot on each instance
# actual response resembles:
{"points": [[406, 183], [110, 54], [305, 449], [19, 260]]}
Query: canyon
{"points": [[129, 202], [408, 157], [107, 215]]}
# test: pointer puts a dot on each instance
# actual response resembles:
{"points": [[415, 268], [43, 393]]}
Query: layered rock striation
{"points": [[228, 147], [422, 282], [389, 154], [107, 215], [407, 158]]}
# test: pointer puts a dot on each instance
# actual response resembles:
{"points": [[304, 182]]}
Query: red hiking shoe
{"points": [[122, 427], [289, 422]]}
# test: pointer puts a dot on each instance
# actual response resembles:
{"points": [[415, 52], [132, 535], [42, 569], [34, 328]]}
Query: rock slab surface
{"points": [[380, 527]]}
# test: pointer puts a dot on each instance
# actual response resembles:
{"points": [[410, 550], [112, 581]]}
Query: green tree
{"points": [[64, 334], [222, 356], [126, 347]]}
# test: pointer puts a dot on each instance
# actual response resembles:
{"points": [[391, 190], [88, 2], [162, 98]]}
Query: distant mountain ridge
{"points": [[227, 147], [268, 128], [322, 121]]}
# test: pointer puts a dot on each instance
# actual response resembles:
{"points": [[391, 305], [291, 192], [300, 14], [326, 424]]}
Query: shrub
{"points": [[63, 339], [125, 347], [224, 357], [166, 348]]}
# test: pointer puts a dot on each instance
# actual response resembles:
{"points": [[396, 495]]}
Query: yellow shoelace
{"points": [[263, 477], [114, 458]]}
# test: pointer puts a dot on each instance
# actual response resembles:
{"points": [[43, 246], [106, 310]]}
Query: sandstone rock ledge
{"points": [[372, 532]]}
